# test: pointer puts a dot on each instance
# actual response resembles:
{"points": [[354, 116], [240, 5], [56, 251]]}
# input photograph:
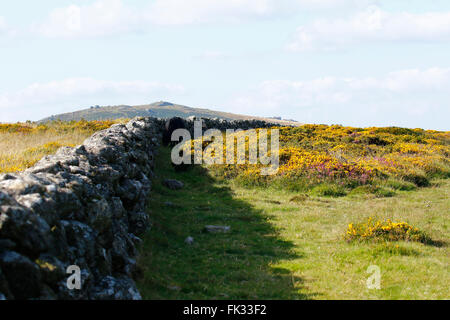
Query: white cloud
{"points": [[105, 17], [2, 24], [178, 12], [206, 11], [372, 25], [5, 29], [408, 97], [43, 99], [406, 81], [101, 18]]}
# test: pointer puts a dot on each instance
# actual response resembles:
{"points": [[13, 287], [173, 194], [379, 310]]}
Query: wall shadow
{"points": [[240, 264]]}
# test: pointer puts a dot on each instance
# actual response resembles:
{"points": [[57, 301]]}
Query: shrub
{"points": [[383, 192], [294, 184], [252, 180], [400, 185], [328, 190], [373, 189], [418, 179], [373, 140], [312, 155], [385, 231]]}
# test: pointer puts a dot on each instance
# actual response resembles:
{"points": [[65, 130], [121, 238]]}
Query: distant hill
{"points": [[160, 109]]}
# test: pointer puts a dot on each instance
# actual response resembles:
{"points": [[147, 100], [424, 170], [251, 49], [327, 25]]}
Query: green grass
{"points": [[285, 245]]}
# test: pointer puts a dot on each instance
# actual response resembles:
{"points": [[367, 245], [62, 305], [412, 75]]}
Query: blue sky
{"points": [[350, 62]]}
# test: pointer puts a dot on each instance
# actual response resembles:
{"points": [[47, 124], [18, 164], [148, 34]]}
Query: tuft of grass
{"points": [[372, 190], [400, 185], [299, 198], [328, 190], [390, 249]]}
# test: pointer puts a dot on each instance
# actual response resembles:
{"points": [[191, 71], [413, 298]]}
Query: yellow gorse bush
{"points": [[359, 155], [385, 231]]}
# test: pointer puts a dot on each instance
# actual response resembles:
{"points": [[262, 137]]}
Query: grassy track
{"points": [[279, 249]]}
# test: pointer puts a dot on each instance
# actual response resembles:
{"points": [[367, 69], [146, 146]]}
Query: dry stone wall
{"points": [[85, 207], [221, 124]]}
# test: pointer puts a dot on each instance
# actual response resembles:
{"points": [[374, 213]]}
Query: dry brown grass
{"points": [[23, 144]]}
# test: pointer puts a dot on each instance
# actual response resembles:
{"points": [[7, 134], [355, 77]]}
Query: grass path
{"points": [[279, 249]]}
